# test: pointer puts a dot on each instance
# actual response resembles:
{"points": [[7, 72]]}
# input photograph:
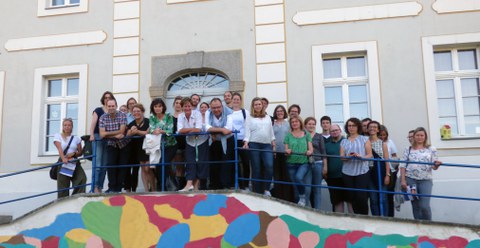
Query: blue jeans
{"points": [[257, 158], [100, 160], [301, 174], [421, 206], [317, 177], [375, 199]]}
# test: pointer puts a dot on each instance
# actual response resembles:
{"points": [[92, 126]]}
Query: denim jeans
{"points": [[421, 206], [301, 174], [375, 199], [258, 158], [317, 177], [100, 160]]}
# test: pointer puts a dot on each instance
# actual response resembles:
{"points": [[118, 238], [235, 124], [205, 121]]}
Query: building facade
{"points": [[405, 64]]}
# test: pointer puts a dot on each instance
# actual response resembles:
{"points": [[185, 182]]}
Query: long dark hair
{"points": [[158, 101]]}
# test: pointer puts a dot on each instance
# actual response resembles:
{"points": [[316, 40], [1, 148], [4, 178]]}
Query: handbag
{"points": [[54, 169], [87, 149]]}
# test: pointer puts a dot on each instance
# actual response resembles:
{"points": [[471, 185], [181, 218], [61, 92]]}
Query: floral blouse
{"points": [[165, 124], [419, 171]]}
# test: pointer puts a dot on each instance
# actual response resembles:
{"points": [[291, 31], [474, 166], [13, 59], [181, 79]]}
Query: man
{"points": [[410, 136], [326, 123], [294, 110], [265, 106], [365, 125], [227, 98], [195, 101], [112, 128], [332, 171], [222, 147]]}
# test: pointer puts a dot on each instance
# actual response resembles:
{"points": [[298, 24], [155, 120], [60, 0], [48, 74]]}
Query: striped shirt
{"points": [[355, 167]]}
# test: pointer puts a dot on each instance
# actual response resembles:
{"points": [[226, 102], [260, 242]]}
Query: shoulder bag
{"points": [[54, 169]]}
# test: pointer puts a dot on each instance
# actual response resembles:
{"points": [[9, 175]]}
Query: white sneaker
{"points": [[301, 201], [267, 193]]}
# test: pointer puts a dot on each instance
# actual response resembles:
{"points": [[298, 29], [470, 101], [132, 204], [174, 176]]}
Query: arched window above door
{"points": [[199, 81]]}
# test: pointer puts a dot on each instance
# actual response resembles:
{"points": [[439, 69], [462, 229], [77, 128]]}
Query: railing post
{"points": [[380, 182], [94, 164], [236, 159], [162, 144]]}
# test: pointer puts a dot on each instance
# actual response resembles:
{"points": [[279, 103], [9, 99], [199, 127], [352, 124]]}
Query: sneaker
{"points": [[267, 193], [302, 201]]}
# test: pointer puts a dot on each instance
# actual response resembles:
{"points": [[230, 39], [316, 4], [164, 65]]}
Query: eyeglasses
{"points": [[351, 125], [335, 130]]}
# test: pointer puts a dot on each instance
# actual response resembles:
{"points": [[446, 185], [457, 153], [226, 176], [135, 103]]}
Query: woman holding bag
{"points": [[69, 147]]}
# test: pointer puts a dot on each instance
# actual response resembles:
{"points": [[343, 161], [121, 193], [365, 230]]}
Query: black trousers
{"points": [[222, 174], [359, 199]]}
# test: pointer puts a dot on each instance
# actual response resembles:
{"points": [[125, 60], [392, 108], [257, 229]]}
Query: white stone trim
{"points": [[44, 8], [56, 41], [370, 47], [183, 1], [371, 12], [269, 14], [39, 89], [271, 73], [126, 46], [275, 92], [267, 2], [126, 10], [2, 92], [125, 65], [270, 33], [450, 6], [125, 83], [271, 53], [428, 44], [126, 28]]}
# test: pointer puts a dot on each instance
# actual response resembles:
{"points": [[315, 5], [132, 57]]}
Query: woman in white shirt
{"points": [[61, 141], [259, 136], [236, 122]]}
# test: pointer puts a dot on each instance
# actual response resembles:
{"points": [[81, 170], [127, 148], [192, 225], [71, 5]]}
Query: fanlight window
{"points": [[199, 81]]}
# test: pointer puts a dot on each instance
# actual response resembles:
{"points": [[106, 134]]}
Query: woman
{"points": [[100, 151], [131, 175], [139, 127], [196, 149], [130, 103], [298, 142], [355, 171], [379, 151], [161, 122], [317, 170], [74, 150], [178, 168], [204, 107], [419, 176], [280, 173], [259, 136], [236, 122], [392, 154]]}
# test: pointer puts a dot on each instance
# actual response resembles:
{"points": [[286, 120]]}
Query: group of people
{"points": [[280, 155]]}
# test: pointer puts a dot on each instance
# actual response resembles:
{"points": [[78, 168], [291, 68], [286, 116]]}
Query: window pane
{"points": [[72, 87], [332, 68], [53, 127], [471, 106], [451, 121], [54, 87], [74, 1], [49, 146], [443, 61], [472, 125], [470, 87], [467, 60], [335, 112], [53, 112], [356, 67], [359, 110], [357, 93], [58, 2], [445, 89], [333, 95], [72, 110], [446, 107]]}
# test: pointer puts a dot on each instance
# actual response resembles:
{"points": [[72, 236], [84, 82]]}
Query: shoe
{"points": [[186, 189], [267, 193], [301, 201]]}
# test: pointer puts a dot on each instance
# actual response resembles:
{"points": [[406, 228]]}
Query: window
{"points": [[458, 90], [452, 74], [346, 82], [61, 102], [59, 92], [61, 7]]}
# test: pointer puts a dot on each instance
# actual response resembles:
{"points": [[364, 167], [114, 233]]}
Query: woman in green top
{"points": [[162, 123], [297, 141]]}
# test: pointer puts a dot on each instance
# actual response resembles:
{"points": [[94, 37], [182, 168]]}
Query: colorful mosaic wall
{"points": [[205, 220]]}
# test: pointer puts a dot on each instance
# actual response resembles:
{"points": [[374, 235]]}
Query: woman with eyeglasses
{"points": [[418, 177], [69, 147], [355, 171]]}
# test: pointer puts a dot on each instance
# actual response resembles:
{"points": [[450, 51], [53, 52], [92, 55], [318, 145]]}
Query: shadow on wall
{"points": [[202, 220]]}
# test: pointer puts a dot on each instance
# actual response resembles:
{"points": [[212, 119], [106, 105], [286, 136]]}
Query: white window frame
{"points": [[369, 49], [429, 45], [41, 77], [45, 8]]}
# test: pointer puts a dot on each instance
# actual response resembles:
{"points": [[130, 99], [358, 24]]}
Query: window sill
{"points": [[462, 138], [63, 6]]}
